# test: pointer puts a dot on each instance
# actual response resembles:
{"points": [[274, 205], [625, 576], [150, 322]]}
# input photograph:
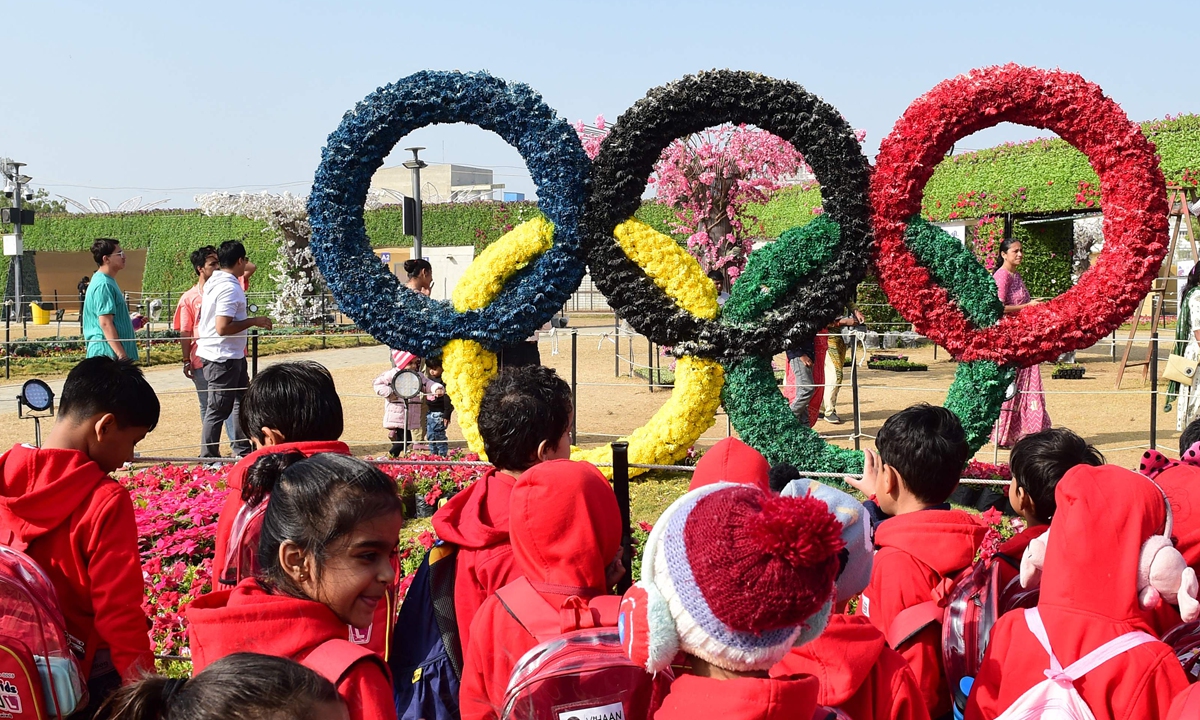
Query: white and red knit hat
{"points": [[732, 575]]}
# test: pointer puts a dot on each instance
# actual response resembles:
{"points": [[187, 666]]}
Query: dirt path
{"points": [[611, 406]]}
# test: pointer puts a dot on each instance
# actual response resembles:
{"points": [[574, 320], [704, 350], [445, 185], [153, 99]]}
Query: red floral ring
{"points": [[1133, 200]]}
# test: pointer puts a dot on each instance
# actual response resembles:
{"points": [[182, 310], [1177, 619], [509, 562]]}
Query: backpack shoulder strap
{"points": [[332, 659], [530, 609], [912, 620], [1033, 619], [1092, 660]]}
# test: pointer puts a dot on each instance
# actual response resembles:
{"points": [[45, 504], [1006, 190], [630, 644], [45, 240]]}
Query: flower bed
{"points": [[1068, 371], [896, 366]]}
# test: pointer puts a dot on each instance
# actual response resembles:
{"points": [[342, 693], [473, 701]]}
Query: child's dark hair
{"points": [[229, 253], [522, 407], [200, 257], [99, 385], [927, 446], [242, 686], [296, 398], [433, 363], [1040, 460], [780, 475], [103, 247], [314, 502], [416, 266], [1191, 433]]}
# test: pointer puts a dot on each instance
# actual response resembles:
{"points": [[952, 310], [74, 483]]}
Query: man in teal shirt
{"points": [[107, 324]]}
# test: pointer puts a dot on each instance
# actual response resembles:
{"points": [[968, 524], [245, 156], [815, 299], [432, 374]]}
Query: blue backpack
{"points": [[426, 659]]}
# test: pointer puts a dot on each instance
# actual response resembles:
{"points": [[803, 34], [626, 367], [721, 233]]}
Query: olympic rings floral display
{"points": [[790, 289], [1133, 199]]}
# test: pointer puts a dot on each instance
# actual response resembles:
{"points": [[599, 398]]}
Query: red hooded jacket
{"points": [[476, 522], [566, 530], [1014, 548], [249, 619], [917, 551], [1088, 597], [732, 460], [237, 476], [859, 674], [79, 526], [693, 697]]}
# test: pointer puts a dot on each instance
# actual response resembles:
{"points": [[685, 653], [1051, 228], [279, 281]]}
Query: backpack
{"points": [[1184, 639], [426, 658], [1056, 698], [967, 606], [39, 673], [582, 674]]}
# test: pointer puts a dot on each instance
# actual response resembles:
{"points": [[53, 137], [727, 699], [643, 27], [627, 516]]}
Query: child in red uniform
{"points": [[923, 543], [525, 419], [59, 506], [1110, 522], [328, 538], [1180, 480], [859, 674], [732, 460], [241, 685], [733, 577], [1038, 462], [289, 407], [565, 531]]}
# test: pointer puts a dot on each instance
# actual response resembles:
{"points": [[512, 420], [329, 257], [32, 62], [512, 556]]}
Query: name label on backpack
{"points": [[612, 711], [10, 698]]}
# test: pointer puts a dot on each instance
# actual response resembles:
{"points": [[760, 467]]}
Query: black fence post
{"points": [[574, 386], [323, 316], [254, 352], [8, 340], [854, 392], [650, 364], [620, 456], [616, 346], [1154, 390]]}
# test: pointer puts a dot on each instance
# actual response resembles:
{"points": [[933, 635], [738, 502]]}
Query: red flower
{"points": [[1131, 186]]}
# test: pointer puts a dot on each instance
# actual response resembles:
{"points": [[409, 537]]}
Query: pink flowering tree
{"points": [[710, 178]]}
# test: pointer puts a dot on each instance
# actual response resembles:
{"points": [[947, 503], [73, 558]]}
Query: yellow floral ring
{"points": [[692, 407]]}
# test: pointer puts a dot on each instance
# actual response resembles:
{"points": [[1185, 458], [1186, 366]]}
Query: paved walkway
{"points": [[164, 378]]}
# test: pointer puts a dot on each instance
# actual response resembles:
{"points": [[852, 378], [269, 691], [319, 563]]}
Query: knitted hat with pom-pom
{"points": [[733, 575]]}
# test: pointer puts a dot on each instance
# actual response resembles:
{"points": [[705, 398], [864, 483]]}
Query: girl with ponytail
{"points": [[242, 686], [327, 558]]}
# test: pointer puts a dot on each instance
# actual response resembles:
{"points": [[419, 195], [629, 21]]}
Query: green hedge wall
{"points": [[790, 207], [1047, 175], [1046, 269]]}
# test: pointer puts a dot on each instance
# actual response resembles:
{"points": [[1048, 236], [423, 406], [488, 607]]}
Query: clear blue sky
{"points": [[118, 99]]}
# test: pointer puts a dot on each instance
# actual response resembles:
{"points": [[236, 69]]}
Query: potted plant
{"points": [[1068, 371]]}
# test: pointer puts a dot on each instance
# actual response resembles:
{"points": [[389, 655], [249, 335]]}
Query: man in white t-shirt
{"points": [[221, 347]]}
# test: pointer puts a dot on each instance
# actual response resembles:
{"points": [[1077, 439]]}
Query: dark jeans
{"points": [[104, 681], [402, 441], [227, 381]]}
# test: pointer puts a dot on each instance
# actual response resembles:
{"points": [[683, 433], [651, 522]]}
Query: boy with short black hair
{"points": [[59, 506], [525, 419], [289, 407], [924, 543]]}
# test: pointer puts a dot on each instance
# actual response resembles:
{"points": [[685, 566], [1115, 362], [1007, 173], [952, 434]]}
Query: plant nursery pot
{"points": [[410, 506], [424, 509]]}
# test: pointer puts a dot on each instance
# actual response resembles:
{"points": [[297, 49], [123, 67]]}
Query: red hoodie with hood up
{"points": [[566, 530], [1181, 483], [1088, 597], [917, 552], [859, 674], [732, 460], [237, 477], [692, 698], [78, 524], [249, 619], [476, 521]]}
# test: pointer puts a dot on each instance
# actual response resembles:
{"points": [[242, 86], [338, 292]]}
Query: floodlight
{"points": [[406, 384], [37, 395], [1010, 392]]}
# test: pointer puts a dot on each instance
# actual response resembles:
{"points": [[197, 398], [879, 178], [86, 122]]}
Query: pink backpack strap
{"points": [[1089, 662], [912, 620], [530, 609], [332, 659]]}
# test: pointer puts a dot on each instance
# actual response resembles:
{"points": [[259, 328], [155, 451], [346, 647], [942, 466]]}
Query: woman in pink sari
{"points": [[1026, 412]]}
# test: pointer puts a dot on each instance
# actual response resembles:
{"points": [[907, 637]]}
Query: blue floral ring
{"points": [[363, 286]]}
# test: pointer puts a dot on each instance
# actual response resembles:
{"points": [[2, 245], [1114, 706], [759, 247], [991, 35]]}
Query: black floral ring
{"points": [[689, 105]]}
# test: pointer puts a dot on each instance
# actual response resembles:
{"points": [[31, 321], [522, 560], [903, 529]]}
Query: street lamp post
{"points": [[415, 165], [15, 190]]}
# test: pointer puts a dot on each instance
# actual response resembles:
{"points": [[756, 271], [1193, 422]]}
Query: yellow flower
{"points": [[678, 424], [671, 268]]}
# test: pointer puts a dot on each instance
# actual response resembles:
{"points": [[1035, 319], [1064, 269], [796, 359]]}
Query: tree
{"points": [[710, 177]]}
